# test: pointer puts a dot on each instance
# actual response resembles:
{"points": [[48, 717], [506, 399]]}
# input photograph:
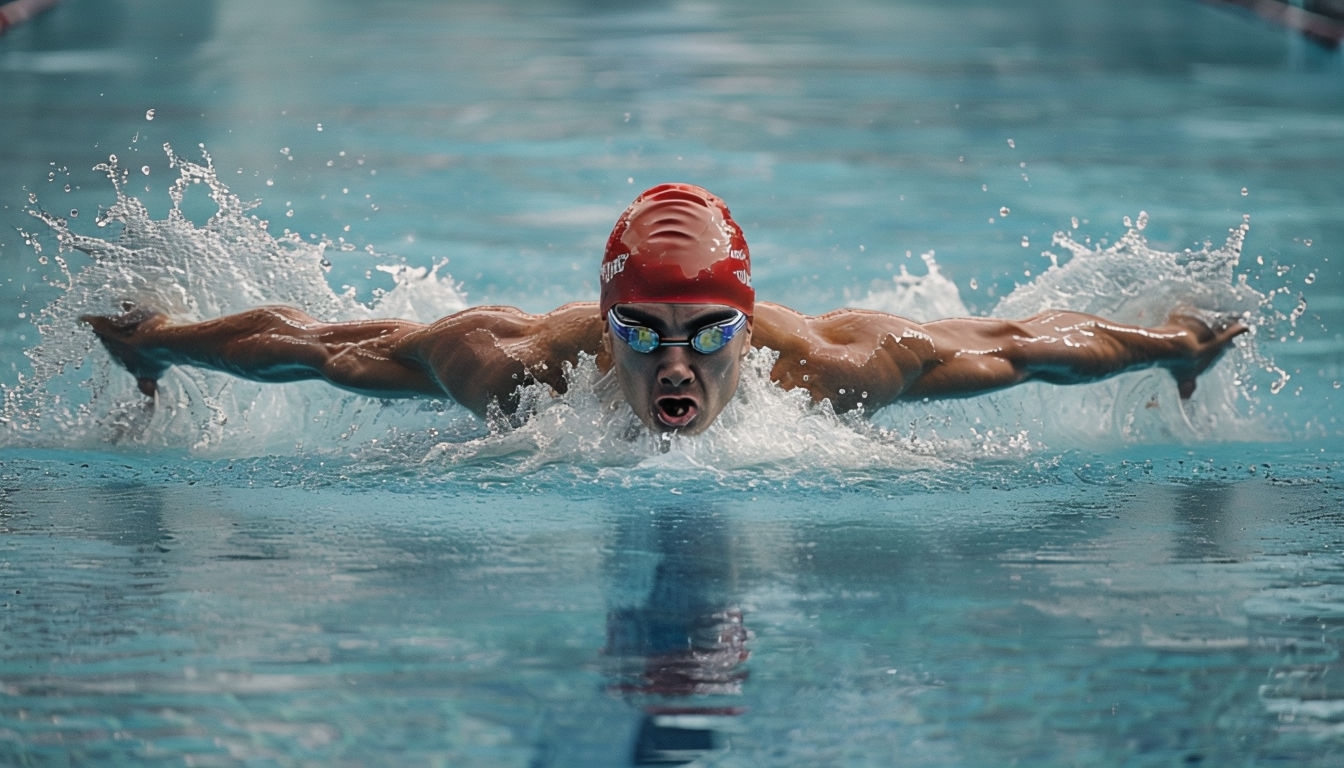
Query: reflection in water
{"points": [[77, 622], [676, 643], [1203, 524]]}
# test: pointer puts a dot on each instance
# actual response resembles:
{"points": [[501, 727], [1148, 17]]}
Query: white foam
{"points": [[75, 397]]}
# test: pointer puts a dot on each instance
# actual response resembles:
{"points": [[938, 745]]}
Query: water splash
{"points": [[591, 425], [928, 297], [75, 398], [1130, 281]]}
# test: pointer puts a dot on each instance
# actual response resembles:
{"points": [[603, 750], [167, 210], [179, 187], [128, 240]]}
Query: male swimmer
{"points": [[676, 316]]}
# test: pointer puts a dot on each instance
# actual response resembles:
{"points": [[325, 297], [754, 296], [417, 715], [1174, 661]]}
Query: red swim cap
{"points": [[677, 244]]}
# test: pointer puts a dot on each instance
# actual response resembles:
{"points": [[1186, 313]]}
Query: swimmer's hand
{"points": [[1208, 338], [126, 338]]}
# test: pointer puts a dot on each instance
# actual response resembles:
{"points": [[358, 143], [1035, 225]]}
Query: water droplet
{"points": [[149, 114]]}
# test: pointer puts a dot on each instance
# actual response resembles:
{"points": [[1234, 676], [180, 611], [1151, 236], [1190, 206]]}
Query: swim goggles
{"points": [[707, 340]]}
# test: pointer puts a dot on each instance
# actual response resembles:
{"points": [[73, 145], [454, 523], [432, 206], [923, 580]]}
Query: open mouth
{"points": [[675, 412]]}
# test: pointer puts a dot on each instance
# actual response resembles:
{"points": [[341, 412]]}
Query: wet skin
{"points": [[479, 357], [676, 388]]}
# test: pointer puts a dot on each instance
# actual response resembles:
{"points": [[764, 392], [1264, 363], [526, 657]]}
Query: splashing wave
{"points": [[75, 398]]}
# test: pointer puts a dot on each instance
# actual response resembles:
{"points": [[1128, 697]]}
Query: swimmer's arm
{"points": [[484, 354], [974, 355], [862, 358], [475, 357], [853, 358]]}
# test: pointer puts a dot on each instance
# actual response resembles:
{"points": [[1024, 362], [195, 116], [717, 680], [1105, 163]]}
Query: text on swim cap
{"points": [[614, 267]]}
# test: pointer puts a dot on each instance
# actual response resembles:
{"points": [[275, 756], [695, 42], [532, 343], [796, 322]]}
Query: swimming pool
{"points": [[288, 575]]}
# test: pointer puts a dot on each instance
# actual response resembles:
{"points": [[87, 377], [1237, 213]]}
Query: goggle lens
{"points": [[642, 339], [706, 341], [709, 339]]}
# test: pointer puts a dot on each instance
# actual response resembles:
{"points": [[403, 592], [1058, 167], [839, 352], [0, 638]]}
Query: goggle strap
{"points": [[726, 330]]}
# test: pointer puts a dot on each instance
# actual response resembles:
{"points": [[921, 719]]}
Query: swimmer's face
{"points": [[676, 388]]}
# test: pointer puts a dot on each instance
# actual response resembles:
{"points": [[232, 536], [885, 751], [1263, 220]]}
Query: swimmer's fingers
{"points": [[125, 323], [1210, 339], [123, 336]]}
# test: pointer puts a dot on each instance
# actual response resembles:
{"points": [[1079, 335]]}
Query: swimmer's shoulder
{"points": [[779, 327]]}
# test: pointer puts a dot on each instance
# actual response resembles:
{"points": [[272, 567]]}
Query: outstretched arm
{"points": [[476, 356], [861, 358], [1067, 348]]}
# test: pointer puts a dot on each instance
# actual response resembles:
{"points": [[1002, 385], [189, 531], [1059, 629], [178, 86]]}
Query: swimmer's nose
{"points": [[676, 370]]}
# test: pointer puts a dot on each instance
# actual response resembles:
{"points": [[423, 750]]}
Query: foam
{"points": [[74, 397]]}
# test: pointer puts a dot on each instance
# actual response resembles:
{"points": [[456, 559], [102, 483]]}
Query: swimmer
{"points": [[676, 316]]}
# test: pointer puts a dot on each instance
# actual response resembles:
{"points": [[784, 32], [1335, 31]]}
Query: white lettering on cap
{"points": [[614, 267]]}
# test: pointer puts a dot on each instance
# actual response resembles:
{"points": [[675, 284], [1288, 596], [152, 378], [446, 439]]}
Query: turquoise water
{"points": [[288, 575]]}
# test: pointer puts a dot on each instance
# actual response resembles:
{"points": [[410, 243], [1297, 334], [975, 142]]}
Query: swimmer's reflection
{"points": [[676, 642]]}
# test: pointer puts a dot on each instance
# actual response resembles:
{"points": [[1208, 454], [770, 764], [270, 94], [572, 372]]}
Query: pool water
{"points": [[289, 575]]}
